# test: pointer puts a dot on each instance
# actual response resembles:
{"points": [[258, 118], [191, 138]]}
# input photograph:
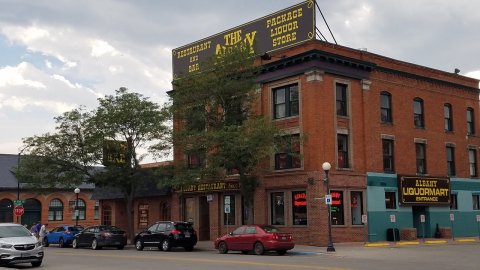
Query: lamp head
{"points": [[326, 166], [77, 190]]}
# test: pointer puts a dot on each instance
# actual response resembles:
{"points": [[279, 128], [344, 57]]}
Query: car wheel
{"points": [[258, 248], [222, 248], [139, 244], [95, 244], [75, 243], [36, 264], [189, 248], [281, 252], [45, 242], [61, 243], [166, 245]]}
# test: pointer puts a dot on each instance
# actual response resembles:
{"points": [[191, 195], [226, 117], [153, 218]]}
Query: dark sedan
{"points": [[259, 238], [167, 234], [97, 237]]}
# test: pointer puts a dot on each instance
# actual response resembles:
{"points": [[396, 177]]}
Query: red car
{"points": [[259, 238]]}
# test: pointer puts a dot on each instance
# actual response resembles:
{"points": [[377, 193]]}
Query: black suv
{"points": [[167, 234]]}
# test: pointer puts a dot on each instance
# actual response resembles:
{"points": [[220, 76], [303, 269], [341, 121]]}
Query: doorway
{"points": [[33, 212], [423, 228], [204, 219]]}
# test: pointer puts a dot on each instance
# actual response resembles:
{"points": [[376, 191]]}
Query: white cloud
{"points": [[14, 76], [101, 47]]}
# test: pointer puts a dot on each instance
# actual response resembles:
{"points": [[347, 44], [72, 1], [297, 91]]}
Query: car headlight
{"points": [[5, 245], [38, 244]]}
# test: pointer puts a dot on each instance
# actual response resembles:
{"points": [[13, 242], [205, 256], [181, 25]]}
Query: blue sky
{"points": [[57, 55]]}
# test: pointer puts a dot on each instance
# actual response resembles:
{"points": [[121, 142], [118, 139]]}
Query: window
{"points": [[196, 160], [96, 210], [390, 200], [472, 159], [278, 208], [343, 158], [386, 107], [447, 114], [81, 210], [195, 120], [453, 202], [341, 98], [107, 216], [288, 156], [476, 201], [388, 164], [470, 122], [421, 158], [299, 207], [450, 160], [285, 101], [55, 210], [356, 207], [418, 119], [337, 207], [229, 210]]}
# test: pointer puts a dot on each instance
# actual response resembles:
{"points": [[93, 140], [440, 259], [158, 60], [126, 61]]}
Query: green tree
{"points": [[110, 135], [215, 121]]}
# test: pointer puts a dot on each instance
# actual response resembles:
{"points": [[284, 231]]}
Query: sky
{"points": [[57, 55]]}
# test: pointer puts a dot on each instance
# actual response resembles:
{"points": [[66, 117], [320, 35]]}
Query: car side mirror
{"points": [[230, 233]]}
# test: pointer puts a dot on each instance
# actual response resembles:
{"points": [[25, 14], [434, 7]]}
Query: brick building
{"points": [[376, 120], [55, 207]]}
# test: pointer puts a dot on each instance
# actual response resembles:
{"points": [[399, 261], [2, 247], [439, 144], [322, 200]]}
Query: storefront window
{"points": [[278, 208], [299, 207], [229, 210], [337, 207], [356, 207]]}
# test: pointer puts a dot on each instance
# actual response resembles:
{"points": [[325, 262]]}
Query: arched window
{"points": [[55, 210], [386, 107], [418, 117], [448, 117], [81, 210], [6, 210]]}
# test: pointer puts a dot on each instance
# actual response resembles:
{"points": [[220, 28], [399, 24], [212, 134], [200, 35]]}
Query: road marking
{"points": [[290, 266]]}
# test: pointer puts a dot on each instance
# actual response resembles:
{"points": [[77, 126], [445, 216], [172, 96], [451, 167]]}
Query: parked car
{"points": [[259, 238], [100, 236], [18, 245], [61, 235], [167, 234]]}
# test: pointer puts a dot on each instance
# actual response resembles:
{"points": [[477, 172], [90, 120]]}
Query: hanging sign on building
{"points": [[143, 215], [210, 187], [417, 190], [279, 30]]}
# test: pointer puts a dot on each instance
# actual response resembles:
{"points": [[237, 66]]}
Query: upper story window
{"points": [[386, 107], [288, 154], [341, 98], [470, 122], [472, 160], [450, 160], [285, 101], [421, 158], [343, 156], [418, 117], [388, 164], [448, 117], [195, 159]]}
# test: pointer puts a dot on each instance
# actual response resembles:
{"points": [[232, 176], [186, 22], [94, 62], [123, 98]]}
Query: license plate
{"points": [[284, 238], [25, 255], [187, 234]]}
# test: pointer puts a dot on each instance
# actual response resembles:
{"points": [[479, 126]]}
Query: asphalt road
{"points": [[347, 257]]}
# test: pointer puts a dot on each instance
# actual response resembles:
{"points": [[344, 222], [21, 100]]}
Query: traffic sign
{"points": [[328, 199], [18, 210], [19, 202], [227, 209]]}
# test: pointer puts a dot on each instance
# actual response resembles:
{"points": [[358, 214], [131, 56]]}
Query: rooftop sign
{"points": [[281, 29]]}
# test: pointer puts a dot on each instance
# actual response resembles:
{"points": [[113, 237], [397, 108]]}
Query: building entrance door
{"points": [[204, 219], [422, 227]]}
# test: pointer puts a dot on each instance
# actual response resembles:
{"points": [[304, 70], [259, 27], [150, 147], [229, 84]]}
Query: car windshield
{"points": [[14, 231], [270, 229], [110, 229], [75, 229]]}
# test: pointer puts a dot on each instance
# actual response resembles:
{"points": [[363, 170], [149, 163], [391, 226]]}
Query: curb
{"points": [[426, 242]]}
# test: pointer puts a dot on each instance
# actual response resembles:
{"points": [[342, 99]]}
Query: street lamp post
{"points": [[77, 191], [326, 168]]}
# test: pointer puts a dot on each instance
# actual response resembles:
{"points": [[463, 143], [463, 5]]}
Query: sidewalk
{"points": [[426, 241]]}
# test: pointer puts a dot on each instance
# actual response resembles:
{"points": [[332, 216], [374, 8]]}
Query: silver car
{"points": [[18, 245]]}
